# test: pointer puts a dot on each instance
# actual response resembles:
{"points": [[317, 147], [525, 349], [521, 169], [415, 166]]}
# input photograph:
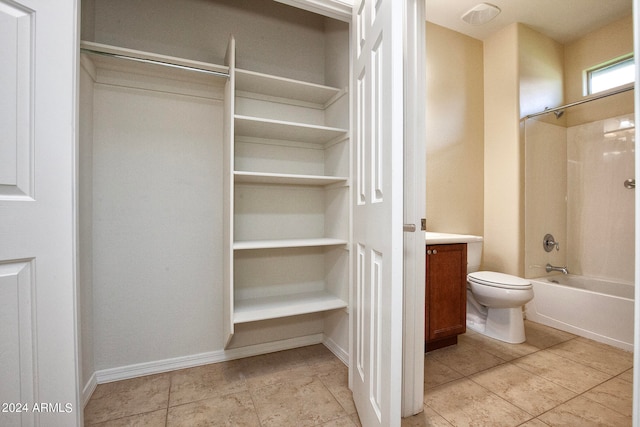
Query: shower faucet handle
{"points": [[548, 243]]}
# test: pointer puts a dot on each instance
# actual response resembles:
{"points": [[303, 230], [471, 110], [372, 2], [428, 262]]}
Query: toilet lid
{"points": [[498, 280]]}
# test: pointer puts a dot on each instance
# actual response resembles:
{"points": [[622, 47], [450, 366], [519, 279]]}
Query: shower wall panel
{"points": [[600, 210], [545, 194]]}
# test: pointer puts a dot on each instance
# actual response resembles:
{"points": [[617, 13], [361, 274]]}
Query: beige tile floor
{"points": [[301, 387], [552, 379]]}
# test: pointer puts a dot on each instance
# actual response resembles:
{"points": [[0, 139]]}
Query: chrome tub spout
{"points": [[551, 268]]}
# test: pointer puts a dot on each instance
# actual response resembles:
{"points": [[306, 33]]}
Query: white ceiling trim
{"points": [[337, 9]]}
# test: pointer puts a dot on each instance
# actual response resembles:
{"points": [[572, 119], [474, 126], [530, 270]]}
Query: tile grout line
{"points": [[166, 415]]}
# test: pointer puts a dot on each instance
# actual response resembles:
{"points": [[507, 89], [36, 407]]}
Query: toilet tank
{"points": [[474, 256]]}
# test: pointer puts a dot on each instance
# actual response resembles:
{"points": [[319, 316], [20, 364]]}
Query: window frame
{"points": [[609, 65]]}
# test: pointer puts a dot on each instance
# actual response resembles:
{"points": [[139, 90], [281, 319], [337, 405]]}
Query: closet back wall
{"points": [[270, 37], [155, 293], [156, 224]]}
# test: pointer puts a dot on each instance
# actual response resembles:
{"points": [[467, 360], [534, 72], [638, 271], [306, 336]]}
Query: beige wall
{"points": [[455, 123], [502, 198], [541, 71], [611, 41], [523, 74]]}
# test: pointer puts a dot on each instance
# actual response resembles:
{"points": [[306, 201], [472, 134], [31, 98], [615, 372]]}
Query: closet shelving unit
{"points": [[288, 194], [286, 185], [109, 53]]}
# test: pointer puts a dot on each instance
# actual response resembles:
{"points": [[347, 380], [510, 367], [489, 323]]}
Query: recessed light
{"points": [[481, 14]]}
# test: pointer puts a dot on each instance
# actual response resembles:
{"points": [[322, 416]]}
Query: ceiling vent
{"points": [[481, 14]]}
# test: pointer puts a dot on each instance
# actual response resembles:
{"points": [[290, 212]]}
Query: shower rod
{"points": [[573, 104]]}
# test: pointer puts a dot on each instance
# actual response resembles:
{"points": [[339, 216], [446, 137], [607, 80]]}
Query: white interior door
{"points": [[414, 207], [377, 299], [38, 345]]}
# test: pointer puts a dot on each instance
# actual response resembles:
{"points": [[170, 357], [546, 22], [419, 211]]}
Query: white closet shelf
{"points": [[285, 305], [153, 58], [287, 243], [289, 131], [281, 87], [290, 179]]}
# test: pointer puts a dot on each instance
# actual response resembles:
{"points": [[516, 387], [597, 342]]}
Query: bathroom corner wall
{"points": [[455, 136], [541, 86], [502, 189], [523, 74]]}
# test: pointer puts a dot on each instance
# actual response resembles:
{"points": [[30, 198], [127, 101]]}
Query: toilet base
{"points": [[505, 324]]}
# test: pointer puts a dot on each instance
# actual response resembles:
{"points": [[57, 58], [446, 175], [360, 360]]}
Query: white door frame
{"points": [[414, 207], [636, 325]]}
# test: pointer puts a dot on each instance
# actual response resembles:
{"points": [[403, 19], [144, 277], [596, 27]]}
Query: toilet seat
{"points": [[498, 280]]}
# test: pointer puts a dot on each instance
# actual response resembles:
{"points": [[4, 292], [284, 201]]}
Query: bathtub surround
{"points": [[575, 190], [601, 230], [545, 194]]}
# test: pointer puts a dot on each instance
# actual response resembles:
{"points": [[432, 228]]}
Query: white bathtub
{"points": [[592, 308]]}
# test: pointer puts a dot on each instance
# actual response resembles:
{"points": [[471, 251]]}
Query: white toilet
{"points": [[495, 300]]}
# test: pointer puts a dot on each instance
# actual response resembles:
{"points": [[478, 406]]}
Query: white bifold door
{"points": [[377, 298], [38, 345]]}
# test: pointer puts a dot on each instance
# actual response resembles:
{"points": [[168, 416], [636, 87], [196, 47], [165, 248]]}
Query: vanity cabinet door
{"points": [[446, 295]]}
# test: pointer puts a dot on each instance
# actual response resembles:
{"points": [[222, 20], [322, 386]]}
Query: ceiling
{"points": [[561, 20]]}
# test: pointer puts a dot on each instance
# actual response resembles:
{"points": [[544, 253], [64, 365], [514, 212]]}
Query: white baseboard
{"points": [[338, 351], [166, 365], [89, 388]]}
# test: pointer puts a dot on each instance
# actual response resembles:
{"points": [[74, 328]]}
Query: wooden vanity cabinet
{"points": [[446, 294]]}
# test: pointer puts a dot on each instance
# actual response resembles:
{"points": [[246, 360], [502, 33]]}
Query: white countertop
{"points": [[433, 238]]}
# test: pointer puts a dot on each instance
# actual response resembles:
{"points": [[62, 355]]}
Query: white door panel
{"points": [[38, 357], [414, 208], [17, 369], [378, 212], [16, 93]]}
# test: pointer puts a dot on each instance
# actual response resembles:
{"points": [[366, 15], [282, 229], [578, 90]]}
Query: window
{"points": [[612, 74]]}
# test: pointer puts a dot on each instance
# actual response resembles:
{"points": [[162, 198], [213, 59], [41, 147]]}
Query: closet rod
{"points": [[573, 104], [155, 62]]}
